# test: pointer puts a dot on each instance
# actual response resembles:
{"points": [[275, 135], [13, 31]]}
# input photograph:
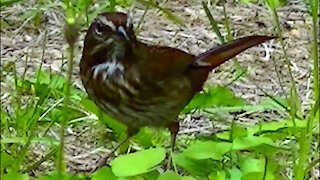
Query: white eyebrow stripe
{"points": [[105, 21]]}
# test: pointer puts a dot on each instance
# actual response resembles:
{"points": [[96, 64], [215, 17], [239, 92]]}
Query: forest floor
{"points": [[83, 143]]}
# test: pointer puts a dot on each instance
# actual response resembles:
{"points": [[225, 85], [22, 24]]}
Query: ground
{"points": [[83, 140]]}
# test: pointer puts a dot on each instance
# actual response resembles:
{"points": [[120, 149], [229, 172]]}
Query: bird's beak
{"points": [[123, 31]]}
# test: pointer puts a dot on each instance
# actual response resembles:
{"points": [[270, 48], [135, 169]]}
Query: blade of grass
{"points": [[279, 78], [170, 15], [33, 119], [43, 159], [144, 14], [230, 38], [42, 56], [213, 22], [314, 5], [305, 145], [294, 98]]}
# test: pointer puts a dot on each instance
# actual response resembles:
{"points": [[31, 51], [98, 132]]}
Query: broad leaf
{"points": [[193, 166], [15, 176], [252, 169], [137, 163], [214, 97], [264, 145], [217, 175], [104, 173], [169, 175], [206, 150], [235, 173]]}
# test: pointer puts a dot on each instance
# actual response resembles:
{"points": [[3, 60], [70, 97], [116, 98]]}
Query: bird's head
{"points": [[108, 28]]}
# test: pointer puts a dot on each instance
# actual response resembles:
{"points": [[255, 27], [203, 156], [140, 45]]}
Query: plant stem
{"points": [[306, 136], [315, 46], [265, 167], [214, 24], [43, 159], [294, 99], [60, 163], [305, 144]]}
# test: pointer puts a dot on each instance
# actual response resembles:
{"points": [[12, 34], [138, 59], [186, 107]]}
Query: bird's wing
{"points": [[161, 63]]}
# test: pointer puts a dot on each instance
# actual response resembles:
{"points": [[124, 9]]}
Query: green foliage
{"points": [[137, 163], [169, 14], [193, 166], [276, 3], [8, 2], [6, 159], [15, 176], [217, 175], [103, 173], [214, 97], [56, 176], [173, 176], [207, 150], [18, 130]]}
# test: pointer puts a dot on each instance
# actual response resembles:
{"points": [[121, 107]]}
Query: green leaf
{"points": [[8, 2], [82, 5], [145, 136], [15, 176], [214, 97], [294, 100], [4, 118], [245, 143], [104, 173], [235, 173], [169, 175], [276, 3], [252, 169], [249, 1], [265, 105], [217, 175], [57, 82], [237, 131], [90, 106], [153, 175], [194, 166], [20, 140], [137, 163], [188, 178], [255, 168], [275, 126], [44, 78], [55, 176], [208, 149], [6, 160], [264, 145]]}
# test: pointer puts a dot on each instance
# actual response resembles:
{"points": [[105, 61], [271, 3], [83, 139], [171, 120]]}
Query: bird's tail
{"points": [[216, 56]]}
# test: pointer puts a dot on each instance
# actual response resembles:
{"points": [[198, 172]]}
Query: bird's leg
{"points": [[174, 129], [102, 162]]}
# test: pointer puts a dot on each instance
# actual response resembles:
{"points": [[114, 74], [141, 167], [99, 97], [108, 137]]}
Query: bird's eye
{"points": [[99, 29]]}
